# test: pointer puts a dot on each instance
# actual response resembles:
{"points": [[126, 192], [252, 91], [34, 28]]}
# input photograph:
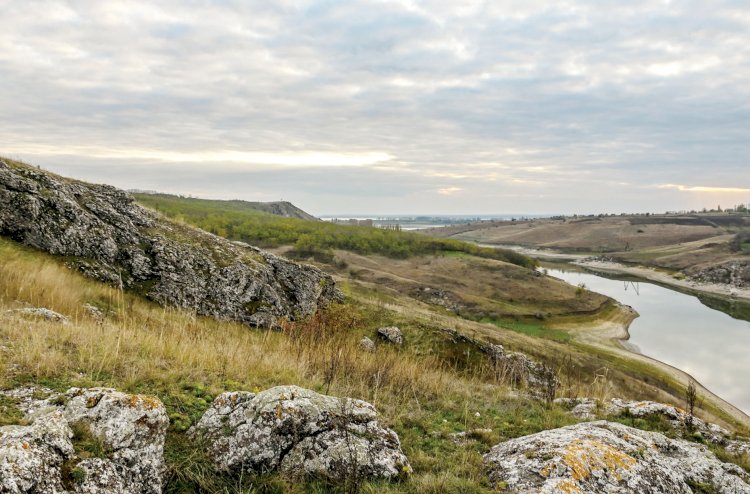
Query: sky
{"points": [[388, 106]]}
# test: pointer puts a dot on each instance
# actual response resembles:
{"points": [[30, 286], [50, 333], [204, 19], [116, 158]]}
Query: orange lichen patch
{"points": [[584, 456], [568, 487], [147, 402], [547, 470], [25, 445]]}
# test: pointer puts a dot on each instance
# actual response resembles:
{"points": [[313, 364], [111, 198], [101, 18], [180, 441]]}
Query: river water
{"points": [[679, 330]]}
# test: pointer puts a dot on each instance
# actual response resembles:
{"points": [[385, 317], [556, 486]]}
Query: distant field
{"points": [[237, 221], [672, 242]]}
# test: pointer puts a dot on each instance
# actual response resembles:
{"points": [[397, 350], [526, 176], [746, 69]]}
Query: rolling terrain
{"points": [[487, 344]]}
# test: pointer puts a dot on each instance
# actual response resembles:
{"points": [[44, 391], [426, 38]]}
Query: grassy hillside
{"points": [[233, 220]]}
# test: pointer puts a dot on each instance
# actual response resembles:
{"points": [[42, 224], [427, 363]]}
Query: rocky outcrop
{"points": [[129, 431], [107, 236], [300, 432], [606, 457], [735, 273], [391, 334], [514, 367]]}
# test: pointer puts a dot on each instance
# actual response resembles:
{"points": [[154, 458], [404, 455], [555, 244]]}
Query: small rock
{"points": [[50, 315], [94, 312], [300, 432], [367, 344], [391, 334]]}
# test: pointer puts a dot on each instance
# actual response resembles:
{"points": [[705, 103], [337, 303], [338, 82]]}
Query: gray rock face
{"points": [[31, 457], [300, 432], [112, 239], [391, 334], [605, 457], [130, 428]]}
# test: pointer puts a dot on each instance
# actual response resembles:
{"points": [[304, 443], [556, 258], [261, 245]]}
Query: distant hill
{"points": [[278, 208]]}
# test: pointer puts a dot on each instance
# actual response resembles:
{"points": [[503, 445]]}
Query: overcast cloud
{"points": [[388, 106]]}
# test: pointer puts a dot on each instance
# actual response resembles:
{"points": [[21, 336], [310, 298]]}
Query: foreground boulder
{"points": [[606, 457], [32, 457], [299, 432], [128, 431], [108, 237]]}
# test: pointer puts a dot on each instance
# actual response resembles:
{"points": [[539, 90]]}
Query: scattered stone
{"points": [[110, 238], [391, 334], [461, 438], [94, 312], [367, 344], [300, 432], [606, 457], [47, 314]]}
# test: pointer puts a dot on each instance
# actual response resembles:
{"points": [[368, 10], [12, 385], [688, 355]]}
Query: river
{"points": [[679, 330]]}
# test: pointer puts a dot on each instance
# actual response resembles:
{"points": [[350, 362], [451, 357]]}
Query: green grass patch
{"points": [[532, 329]]}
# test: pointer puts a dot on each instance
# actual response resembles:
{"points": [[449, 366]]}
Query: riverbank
{"points": [[664, 278], [612, 336]]}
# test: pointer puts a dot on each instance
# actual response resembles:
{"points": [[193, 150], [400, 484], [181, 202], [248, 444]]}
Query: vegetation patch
{"points": [[233, 220]]}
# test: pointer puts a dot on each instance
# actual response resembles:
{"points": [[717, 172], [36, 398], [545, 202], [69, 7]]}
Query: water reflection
{"points": [[679, 330]]}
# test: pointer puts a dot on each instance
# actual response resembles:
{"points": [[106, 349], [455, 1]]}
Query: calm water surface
{"points": [[679, 330]]}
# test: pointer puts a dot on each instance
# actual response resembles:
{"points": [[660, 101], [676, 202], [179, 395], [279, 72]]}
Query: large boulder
{"points": [[103, 233], [300, 432], [606, 457], [42, 457], [131, 427]]}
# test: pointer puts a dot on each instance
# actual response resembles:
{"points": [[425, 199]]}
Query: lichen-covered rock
{"points": [[300, 432], [367, 344], [44, 313], [391, 334], [131, 429], [110, 238], [606, 457], [31, 457]]}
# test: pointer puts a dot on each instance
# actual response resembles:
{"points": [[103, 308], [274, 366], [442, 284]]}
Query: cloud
{"points": [[715, 190], [447, 191], [586, 103]]}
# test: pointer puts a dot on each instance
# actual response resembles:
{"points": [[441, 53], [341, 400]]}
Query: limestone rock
{"points": [[31, 457], [367, 344], [606, 457], [108, 237], [42, 312], [131, 428], [299, 432], [391, 334]]}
